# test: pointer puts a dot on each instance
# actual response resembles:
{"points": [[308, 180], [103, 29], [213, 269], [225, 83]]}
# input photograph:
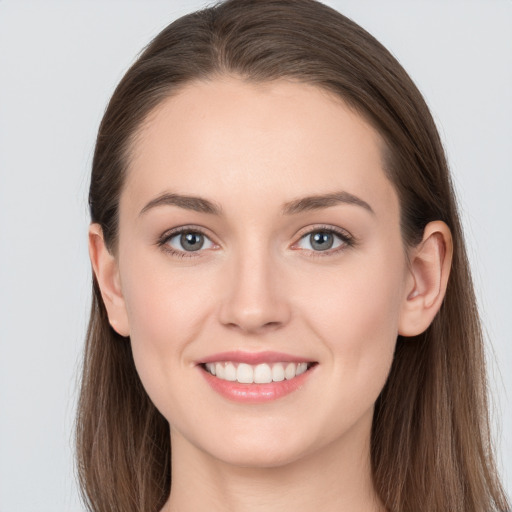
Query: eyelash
{"points": [[347, 241], [346, 238], [168, 235]]}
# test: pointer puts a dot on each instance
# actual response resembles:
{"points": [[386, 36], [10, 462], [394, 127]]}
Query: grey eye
{"points": [[189, 241], [321, 240]]}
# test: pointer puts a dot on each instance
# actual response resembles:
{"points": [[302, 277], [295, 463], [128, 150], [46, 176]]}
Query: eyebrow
{"points": [[310, 203], [197, 204], [318, 202]]}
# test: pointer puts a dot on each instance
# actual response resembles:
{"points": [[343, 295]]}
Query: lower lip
{"points": [[255, 393]]}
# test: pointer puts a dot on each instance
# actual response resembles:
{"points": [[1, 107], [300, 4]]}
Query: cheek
{"points": [[161, 301], [166, 310], [355, 311]]}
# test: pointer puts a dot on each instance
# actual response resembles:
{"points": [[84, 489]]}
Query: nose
{"points": [[255, 296]]}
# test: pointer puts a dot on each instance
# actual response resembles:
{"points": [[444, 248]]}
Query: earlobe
{"points": [[430, 263], [106, 271]]}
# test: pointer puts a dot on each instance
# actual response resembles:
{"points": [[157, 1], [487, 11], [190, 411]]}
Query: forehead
{"points": [[278, 139]]}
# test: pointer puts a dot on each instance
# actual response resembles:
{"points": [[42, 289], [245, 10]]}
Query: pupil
{"points": [[192, 241], [321, 241]]}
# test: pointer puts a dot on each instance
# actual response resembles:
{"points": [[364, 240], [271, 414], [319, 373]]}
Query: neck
{"points": [[335, 478]]}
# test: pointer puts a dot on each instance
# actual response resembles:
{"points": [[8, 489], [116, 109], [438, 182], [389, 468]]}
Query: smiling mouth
{"points": [[263, 373]]}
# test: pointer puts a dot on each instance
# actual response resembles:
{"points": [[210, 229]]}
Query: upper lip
{"points": [[239, 356]]}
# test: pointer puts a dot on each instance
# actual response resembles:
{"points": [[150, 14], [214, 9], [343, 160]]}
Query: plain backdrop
{"points": [[59, 63]]}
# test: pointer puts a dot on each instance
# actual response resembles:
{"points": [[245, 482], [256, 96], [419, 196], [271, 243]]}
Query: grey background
{"points": [[59, 63]]}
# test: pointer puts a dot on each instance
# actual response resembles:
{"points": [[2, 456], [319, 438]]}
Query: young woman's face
{"points": [[259, 234]]}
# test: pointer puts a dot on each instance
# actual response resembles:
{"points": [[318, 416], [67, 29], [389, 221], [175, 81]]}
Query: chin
{"points": [[261, 457], [259, 449]]}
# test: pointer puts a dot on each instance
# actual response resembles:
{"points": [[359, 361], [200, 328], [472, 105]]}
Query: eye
{"points": [[186, 241], [322, 240]]}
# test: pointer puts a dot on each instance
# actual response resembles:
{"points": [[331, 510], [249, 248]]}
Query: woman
{"points": [[281, 289]]}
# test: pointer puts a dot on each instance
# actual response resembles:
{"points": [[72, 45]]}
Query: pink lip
{"points": [[254, 393], [253, 357]]}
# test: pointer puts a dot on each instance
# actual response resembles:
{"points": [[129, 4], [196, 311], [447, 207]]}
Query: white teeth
{"points": [[230, 372], [244, 374], [262, 374], [277, 373], [290, 370], [219, 370], [301, 368], [259, 374]]}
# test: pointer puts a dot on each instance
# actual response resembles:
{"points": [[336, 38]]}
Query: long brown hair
{"points": [[430, 446]]}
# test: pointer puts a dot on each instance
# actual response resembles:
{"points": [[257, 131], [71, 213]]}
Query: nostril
{"points": [[254, 327], [272, 324], [253, 320]]}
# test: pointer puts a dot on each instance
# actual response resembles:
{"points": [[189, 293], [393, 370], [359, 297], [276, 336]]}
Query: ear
{"points": [[105, 268], [430, 263]]}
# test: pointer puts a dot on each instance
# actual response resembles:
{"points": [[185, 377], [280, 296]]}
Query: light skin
{"points": [[259, 283]]}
